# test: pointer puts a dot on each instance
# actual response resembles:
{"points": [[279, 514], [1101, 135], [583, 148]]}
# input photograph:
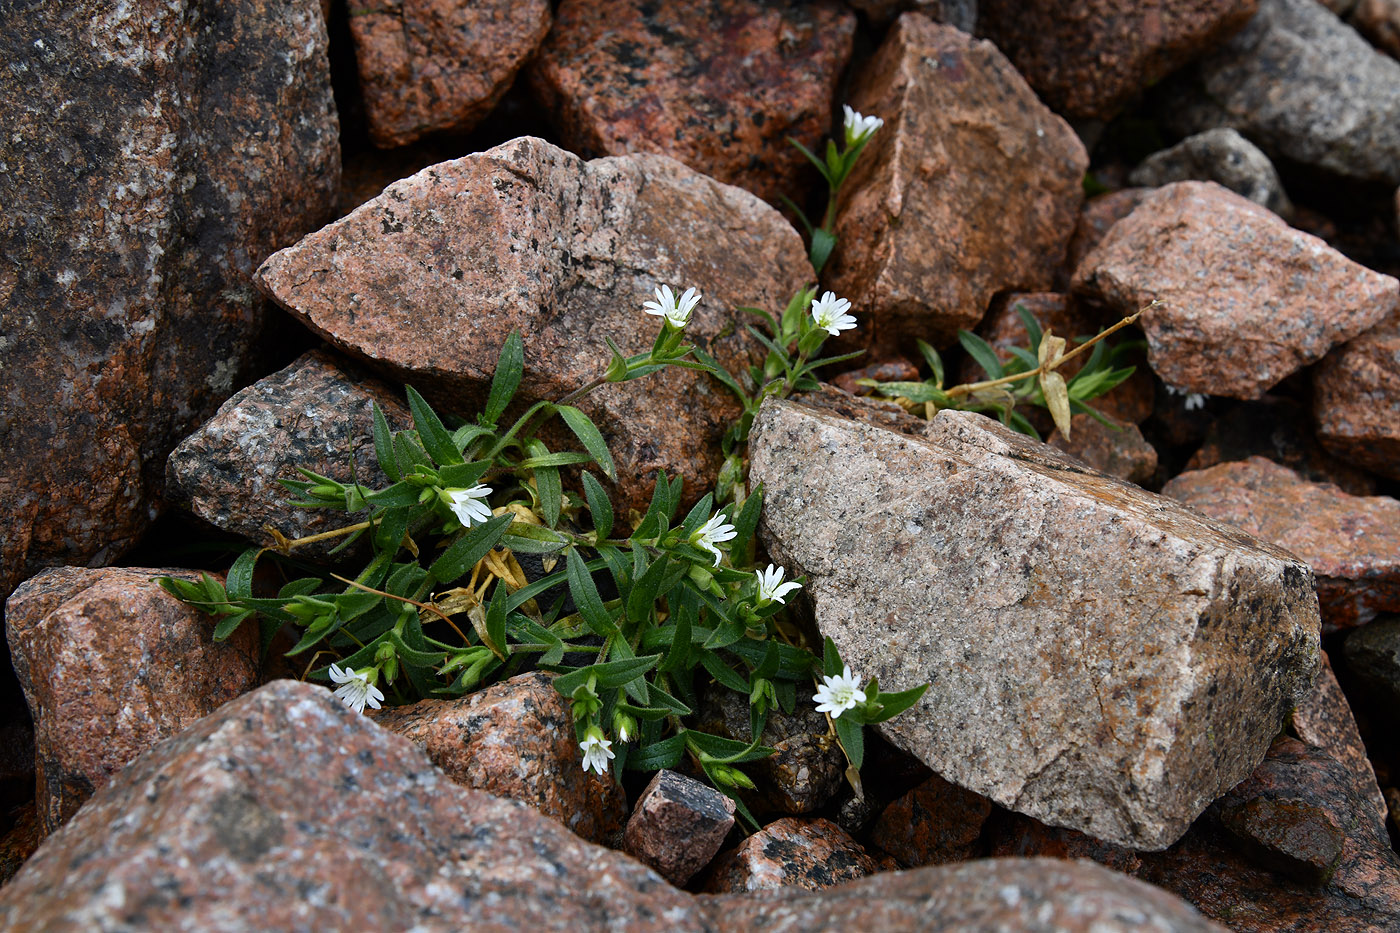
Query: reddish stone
{"points": [[1379, 21], [154, 152], [792, 852], [315, 414], [1323, 719], [1095, 218], [1086, 59], [111, 664], [678, 825], [429, 65], [970, 188], [959, 13], [526, 236], [17, 845], [719, 85], [1356, 399], [934, 823], [1247, 299], [1351, 543], [1297, 839], [515, 740], [1018, 835], [1117, 449]]}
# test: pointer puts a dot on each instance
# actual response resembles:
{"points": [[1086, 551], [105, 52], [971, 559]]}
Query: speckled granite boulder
{"points": [[718, 84], [678, 825], [1352, 543], [153, 154], [112, 664], [1100, 658], [1356, 398], [970, 188], [1247, 299], [1223, 156], [515, 740], [315, 414], [440, 64], [804, 853], [427, 280]]}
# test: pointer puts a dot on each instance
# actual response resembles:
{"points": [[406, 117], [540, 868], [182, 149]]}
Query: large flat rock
{"points": [[1101, 658]]}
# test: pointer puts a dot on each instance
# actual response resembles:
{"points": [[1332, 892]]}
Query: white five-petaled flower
{"points": [[839, 693], [597, 751], [1192, 400], [859, 127], [469, 505], [711, 533], [355, 690], [771, 586], [830, 314], [677, 312]]}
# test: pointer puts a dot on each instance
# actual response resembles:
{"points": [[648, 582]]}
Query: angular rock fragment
{"points": [[1351, 543], [719, 85], [1086, 59], [1372, 654], [316, 414], [515, 740], [1300, 84], [1100, 658], [959, 13], [933, 824], [678, 825], [427, 280], [1222, 156], [441, 64], [1095, 218], [1323, 719], [153, 154], [970, 188], [1356, 399], [111, 664], [1117, 449], [1247, 299], [803, 853]]}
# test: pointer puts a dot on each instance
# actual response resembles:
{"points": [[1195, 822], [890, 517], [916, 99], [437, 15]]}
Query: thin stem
{"points": [[335, 533], [404, 599]]}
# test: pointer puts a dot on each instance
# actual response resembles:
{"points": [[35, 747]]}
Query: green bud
{"points": [[731, 475], [390, 669], [624, 727], [617, 369], [731, 777], [326, 491], [701, 576]]}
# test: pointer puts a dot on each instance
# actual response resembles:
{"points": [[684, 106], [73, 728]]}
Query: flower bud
{"points": [[624, 727], [617, 369], [701, 577], [731, 777]]}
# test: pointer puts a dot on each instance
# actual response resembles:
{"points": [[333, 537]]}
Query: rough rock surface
{"points": [[153, 154], [804, 853], [933, 824], [1351, 543], [1248, 299], [1372, 654], [1300, 84], [1356, 399], [315, 414], [1086, 59], [719, 84], [427, 280], [1220, 155], [111, 664], [1025, 895], [678, 825], [959, 13], [1095, 218], [1100, 658], [1323, 719], [971, 187], [440, 64], [1118, 448], [1379, 21], [515, 740]]}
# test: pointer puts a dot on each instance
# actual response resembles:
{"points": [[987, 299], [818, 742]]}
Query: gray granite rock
{"points": [[1220, 155], [1101, 658], [1301, 84]]}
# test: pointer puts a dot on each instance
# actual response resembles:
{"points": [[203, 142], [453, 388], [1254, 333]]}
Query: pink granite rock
{"points": [[792, 852], [1356, 399], [933, 824], [1118, 449], [1095, 218], [971, 187], [1086, 59], [1352, 543], [515, 740], [427, 280], [1323, 719], [429, 65], [1379, 21], [678, 825], [112, 664], [719, 85], [1248, 299]]}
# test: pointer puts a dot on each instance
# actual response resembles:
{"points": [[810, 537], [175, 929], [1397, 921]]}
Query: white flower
{"points": [[597, 751], [771, 586], [1192, 401], [666, 305], [838, 694], [355, 690], [469, 505], [711, 533], [859, 127], [830, 314]]}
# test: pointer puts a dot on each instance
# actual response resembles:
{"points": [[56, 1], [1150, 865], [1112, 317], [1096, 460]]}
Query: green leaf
{"points": [[747, 520], [239, 582], [1032, 327], [599, 505], [831, 658], [547, 483], [811, 157], [461, 555], [642, 600], [726, 751], [510, 366], [229, 624], [892, 704], [384, 445], [436, 440], [609, 673], [553, 459], [823, 242], [914, 391], [982, 352], [722, 672], [496, 624], [658, 756], [463, 475], [935, 362], [408, 454], [852, 736], [590, 437], [698, 515], [1018, 422], [585, 595], [533, 539], [398, 495], [414, 656]]}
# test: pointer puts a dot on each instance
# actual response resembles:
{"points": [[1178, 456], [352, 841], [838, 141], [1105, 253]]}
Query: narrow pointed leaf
{"points": [[510, 366], [436, 439]]}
